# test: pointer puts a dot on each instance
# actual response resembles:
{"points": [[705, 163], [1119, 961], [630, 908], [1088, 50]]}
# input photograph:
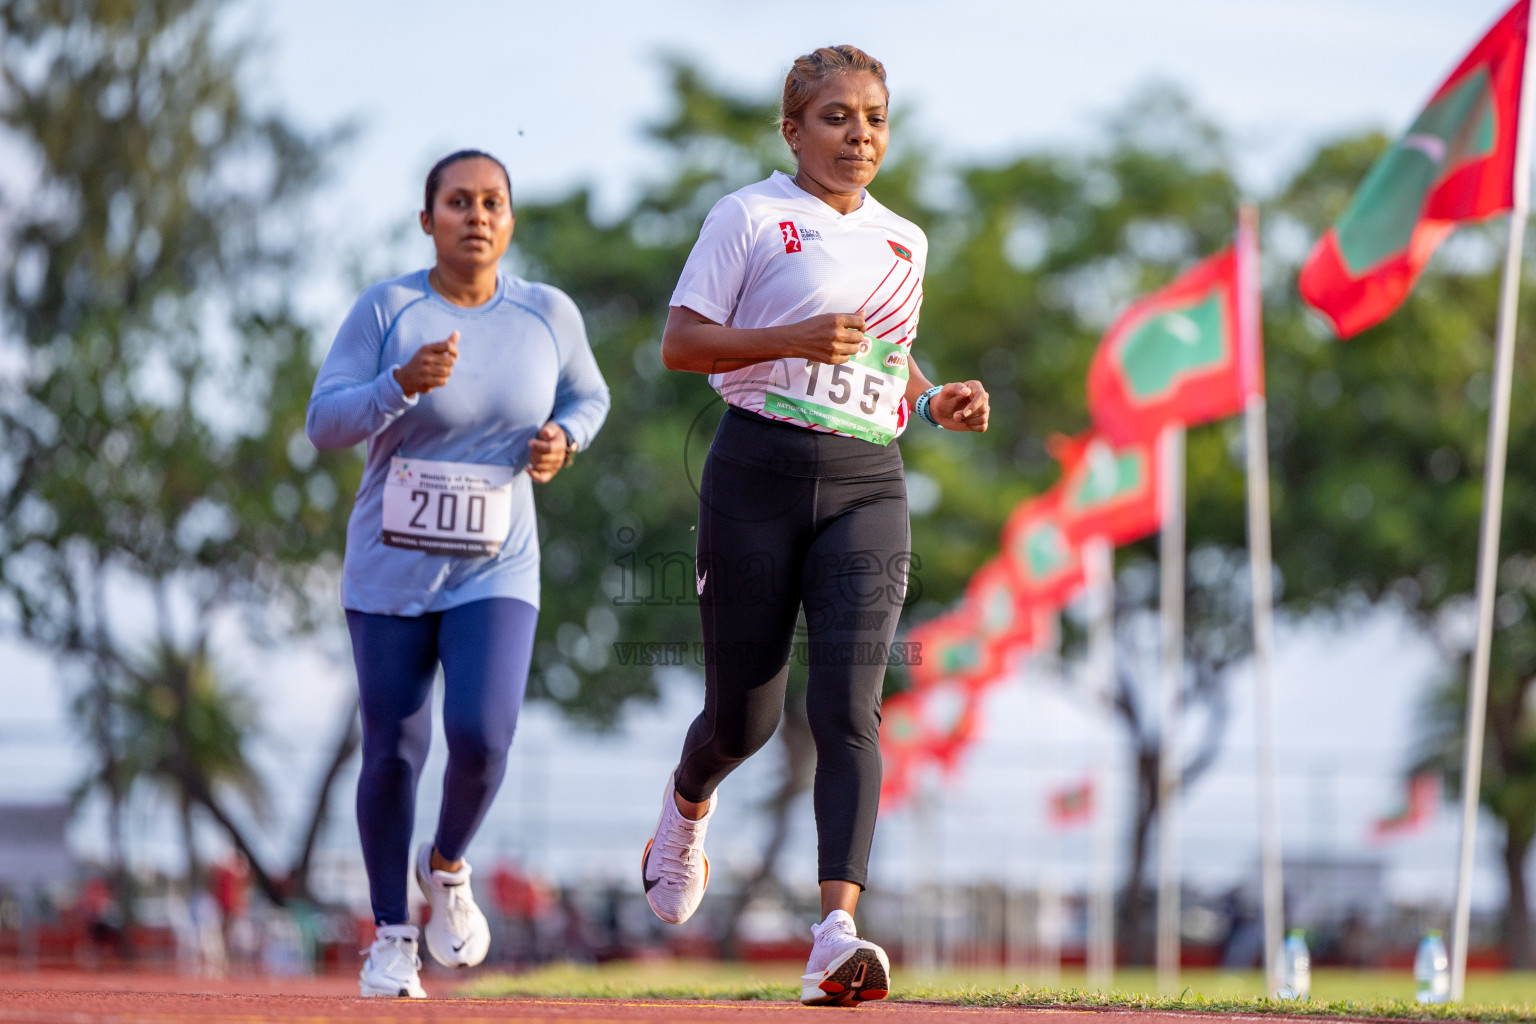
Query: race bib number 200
{"points": [[447, 508], [859, 397]]}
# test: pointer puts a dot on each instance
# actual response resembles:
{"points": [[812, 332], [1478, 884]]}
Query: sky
{"points": [[563, 92]]}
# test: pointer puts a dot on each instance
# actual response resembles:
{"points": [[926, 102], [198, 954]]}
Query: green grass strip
{"points": [[1189, 1001], [723, 982]]}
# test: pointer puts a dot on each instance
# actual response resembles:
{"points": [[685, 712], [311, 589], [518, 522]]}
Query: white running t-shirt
{"points": [[772, 254]]}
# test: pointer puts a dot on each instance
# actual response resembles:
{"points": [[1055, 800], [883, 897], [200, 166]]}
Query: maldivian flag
{"points": [[1456, 162], [901, 742], [951, 647], [1047, 566], [1002, 617], [1107, 491], [923, 727], [1423, 802], [1175, 357], [1071, 806]]}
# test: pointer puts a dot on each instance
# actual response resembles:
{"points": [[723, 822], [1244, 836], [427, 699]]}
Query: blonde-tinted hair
{"points": [[808, 72]]}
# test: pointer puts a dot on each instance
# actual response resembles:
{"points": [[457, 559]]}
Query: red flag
{"points": [[1070, 806], [1047, 567], [1108, 491], [923, 727], [951, 647], [1455, 163], [1423, 802], [1176, 356], [1002, 617]]}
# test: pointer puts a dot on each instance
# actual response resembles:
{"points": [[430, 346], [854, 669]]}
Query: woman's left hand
{"points": [[961, 406], [547, 453]]}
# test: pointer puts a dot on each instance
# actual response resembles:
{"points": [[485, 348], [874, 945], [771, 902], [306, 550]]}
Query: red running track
{"points": [[78, 997]]}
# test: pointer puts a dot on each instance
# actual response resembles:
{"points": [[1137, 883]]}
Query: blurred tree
{"points": [[1378, 449], [154, 475], [187, 732], [1033, 262], [622, 564]]}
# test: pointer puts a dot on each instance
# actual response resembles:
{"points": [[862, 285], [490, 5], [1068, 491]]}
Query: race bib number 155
{"points": [[447, 508], [859, 397]]}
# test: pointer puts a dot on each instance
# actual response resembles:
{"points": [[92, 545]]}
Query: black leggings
{"points": [[788, 516]]}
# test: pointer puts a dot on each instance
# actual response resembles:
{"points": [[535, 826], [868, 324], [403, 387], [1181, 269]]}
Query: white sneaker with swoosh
{"points": [[392, 968], [844, 970], [673, 868], [457, 933]]}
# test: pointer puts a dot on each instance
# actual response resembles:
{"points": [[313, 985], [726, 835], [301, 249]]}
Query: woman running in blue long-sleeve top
{"points": [[468, 386]]}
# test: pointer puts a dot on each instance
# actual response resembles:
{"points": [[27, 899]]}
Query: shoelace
{"points": [[678, 852], [836, 931], [394, 958], [824, 939]]}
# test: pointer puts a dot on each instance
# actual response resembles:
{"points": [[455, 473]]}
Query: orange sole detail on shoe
{"points": [[860, 979]]}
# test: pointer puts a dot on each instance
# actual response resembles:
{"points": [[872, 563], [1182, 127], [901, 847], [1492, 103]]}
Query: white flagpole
{"points": [[1488, 538], [1260, 564], [1169, 763], [1100, 559]]}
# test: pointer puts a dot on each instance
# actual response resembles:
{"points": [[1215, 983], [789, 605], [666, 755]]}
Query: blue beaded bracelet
{"points": [[921, 408]]}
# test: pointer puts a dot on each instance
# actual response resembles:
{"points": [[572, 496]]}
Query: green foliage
{"points": [[154, 469], [617, 527], [180, 720], [164, 380]]}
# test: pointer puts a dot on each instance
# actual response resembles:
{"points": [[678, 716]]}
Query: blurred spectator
{"points": [[103, 919], [1243, 945], [229, 881], [574, 938], [515, 894]]}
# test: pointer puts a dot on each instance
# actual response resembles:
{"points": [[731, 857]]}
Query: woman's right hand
{"points": [[430, 367], [828, 338]]}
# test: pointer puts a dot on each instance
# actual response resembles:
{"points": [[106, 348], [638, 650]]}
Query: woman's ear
{"points": [[791, 133], [426, 222]]}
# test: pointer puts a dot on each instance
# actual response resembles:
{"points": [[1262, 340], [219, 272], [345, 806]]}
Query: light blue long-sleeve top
{"points": [[523, 361]]}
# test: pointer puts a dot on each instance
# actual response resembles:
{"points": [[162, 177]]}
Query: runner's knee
{"points": [[840, 711]]}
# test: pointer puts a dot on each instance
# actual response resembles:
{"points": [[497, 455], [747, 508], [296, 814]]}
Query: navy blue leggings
{"points": [[485, 648]]}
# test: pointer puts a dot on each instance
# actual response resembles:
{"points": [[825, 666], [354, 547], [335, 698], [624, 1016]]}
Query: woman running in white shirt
{"points": [[801, 301]]}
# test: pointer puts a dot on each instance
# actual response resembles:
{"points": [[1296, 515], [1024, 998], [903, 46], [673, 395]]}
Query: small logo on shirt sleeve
{"points": [[791, 236], [899, 249]]}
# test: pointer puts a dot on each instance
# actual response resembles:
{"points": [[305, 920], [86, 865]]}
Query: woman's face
{"points": [[471, 217], [840, 137]]}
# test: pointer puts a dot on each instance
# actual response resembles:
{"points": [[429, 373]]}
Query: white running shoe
{"points": [[673, 867], [457, 933], [392, 964], [843, 970]]}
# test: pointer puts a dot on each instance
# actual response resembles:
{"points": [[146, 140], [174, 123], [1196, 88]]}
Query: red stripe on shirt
{"points": [[899, 306], [890, 297], [887, 277]]}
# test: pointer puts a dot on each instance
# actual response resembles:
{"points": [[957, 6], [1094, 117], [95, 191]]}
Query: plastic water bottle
{"points": [[1296, 972], [1432, 970]]}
